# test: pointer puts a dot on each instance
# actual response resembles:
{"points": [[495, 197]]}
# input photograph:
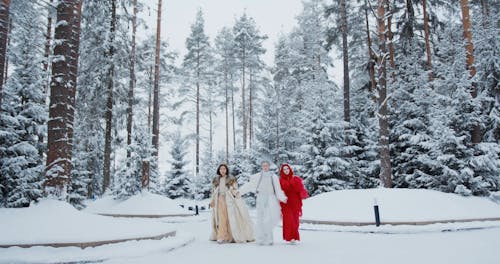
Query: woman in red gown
{"points": [[291, 210]]}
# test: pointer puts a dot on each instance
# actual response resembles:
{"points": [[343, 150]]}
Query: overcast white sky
{"points": [[272, 17]]}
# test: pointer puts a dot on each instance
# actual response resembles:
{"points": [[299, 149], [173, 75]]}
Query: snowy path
{"points": [[477, 246]]}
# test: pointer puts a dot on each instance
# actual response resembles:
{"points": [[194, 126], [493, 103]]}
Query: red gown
{"points": [[291, 210]]}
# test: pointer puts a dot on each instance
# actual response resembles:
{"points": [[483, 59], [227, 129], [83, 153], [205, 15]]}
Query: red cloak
{"points": [[291, 210]]}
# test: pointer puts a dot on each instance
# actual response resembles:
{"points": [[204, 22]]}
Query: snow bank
{"points": [[52, 221], [120, 251], [144, 203], [396, 205]]}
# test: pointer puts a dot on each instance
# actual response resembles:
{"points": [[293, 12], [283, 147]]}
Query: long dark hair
{"points": [[223, 165]]}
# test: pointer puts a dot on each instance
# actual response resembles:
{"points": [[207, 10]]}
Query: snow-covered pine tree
{"points": [[127, 180], [413, 108], [196, 68], [248, 50], [225, 72], [178, 181], [286, 100], [24, 113]]}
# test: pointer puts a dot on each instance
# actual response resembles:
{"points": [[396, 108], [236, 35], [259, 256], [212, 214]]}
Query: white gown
{"points": [[269, 193]]}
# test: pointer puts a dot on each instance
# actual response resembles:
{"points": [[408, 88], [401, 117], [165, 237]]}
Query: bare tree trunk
{"points": [[211, 137], [469, 48], [156, 92], [427, 37], [371, 62], [130, 110], [109, 102], [278, 104], [250, 109], [197, 158], [75, 42], [345, 58], [385, 159], [4, 30], [48, 39], [390, 37], [233, 114], [243, 108], [226, 106], [6, 75], [149, 97], [63, 88]]}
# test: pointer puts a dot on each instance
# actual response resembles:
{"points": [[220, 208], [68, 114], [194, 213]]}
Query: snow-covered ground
{"points": [[52, 221], [462, 243], [397, 205], [144, 203]]}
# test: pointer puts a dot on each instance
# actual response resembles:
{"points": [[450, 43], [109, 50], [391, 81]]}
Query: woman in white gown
{"points": [[266, 186], [230, 219]]}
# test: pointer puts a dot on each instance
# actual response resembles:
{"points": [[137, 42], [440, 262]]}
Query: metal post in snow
{"points": [[377, 213]]}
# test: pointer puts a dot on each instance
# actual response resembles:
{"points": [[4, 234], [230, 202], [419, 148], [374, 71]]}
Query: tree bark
{"points": [[371, 62], [109, 102], [427, 37], [385, 159], [390, 37], [151, 84], [130, 110], [197, 158], [6, 72], [233, 114], [250, 109], [243, 108], [156, 91], [63, 88], [469, 48], [48, 39], [345, 58], [226, 106], [4, 30]]}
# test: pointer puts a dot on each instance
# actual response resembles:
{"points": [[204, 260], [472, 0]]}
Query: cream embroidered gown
{"points": [[230, 219]]}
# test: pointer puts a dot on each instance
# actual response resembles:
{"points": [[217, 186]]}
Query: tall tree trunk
{"points": [[250, 109], [371, 62], [226, 106], [4, 30], [130, 110], [6, 71], [469, 48], [243, 108], [390, 37], [233, 114], [109, 101], [156, 92], [48, 38], [345, 58], [427, 37], [197, 158], [385, 159], [63, 87], [211, 137], [149, 97]]}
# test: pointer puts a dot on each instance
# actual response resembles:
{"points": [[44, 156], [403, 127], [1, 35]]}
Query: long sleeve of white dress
{"points": [[251, 185]]}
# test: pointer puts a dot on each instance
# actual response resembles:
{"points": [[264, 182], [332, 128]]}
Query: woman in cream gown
{"points": [[230, 219]]}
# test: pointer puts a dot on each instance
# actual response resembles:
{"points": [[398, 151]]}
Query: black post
{"points": [[196, 210], [377, 215]]}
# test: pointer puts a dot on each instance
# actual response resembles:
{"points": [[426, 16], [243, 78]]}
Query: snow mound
{"points": [[144, 203], [51, 221], [396, 205]]}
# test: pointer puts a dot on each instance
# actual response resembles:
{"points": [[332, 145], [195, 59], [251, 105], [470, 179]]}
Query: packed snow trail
{"points": [[478, 246]]}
